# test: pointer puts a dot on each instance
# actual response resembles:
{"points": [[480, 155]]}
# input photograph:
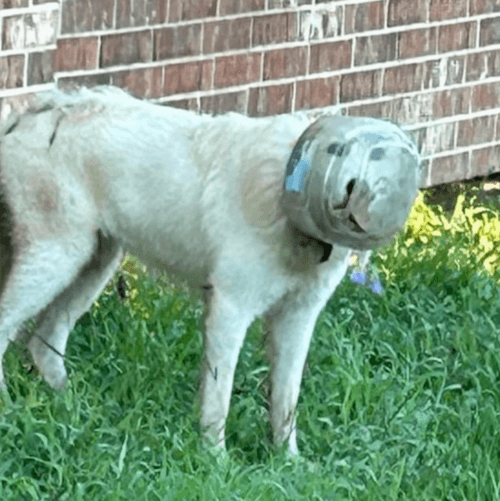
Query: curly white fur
{"points": [[87, 174]]}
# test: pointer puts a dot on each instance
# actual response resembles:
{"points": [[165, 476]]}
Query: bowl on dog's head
{"points": [[351, 181]]}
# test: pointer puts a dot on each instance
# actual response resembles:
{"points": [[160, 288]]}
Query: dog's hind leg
{"points": [[56, 321], [41, 269]]}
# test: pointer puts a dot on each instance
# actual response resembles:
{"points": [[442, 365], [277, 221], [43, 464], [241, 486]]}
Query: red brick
{"points": [[413, 43], [438, 74], [407, 78], [140, 12], [13, 31], [141, 83], [436, 138], [419, 137], [126, 48], [68, 16], [29, 30], [364, 17], [11, 71], [402, 12], [270, 100], [447, 9], [493, 63], [449, 168], [320, 23], [455, 67], [282, 63], [76, 54], [87, 80], [13, 4], [238, 6], [187, 77], [178, 41], [40, 67], [425, 166], [181, 10], [330, 56], [316, 93], [484, 6], [476, 66], [222, 103], [236, 70], [411, 109], [476, 130], [486, 161], [279, 4], [489, 31], [78, 16], [447, 103], [434, 74], [485, 96], [360, 85], [375, 49], [376, 110], [456, 36], [483, 65], [225, 35], [274, 28], [40, 28]]}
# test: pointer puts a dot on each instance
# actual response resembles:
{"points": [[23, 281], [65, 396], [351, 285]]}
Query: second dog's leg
{"points": [[225, 330], [48, 344]]}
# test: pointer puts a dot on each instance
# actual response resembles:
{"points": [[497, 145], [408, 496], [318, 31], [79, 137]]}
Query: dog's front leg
{"points": [[225, 329], [291, 325], [291, 329]]}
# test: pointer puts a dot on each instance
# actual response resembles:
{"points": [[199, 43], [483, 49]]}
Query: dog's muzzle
{"points": [[351, 181]]}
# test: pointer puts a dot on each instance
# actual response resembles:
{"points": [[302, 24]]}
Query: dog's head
{"points": [[351, 181]]}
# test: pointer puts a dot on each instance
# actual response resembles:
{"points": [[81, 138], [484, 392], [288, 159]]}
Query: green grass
{"points": [[400, 398]]}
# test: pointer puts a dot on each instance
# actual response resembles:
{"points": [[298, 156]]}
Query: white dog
{"points": [[261, 213]]}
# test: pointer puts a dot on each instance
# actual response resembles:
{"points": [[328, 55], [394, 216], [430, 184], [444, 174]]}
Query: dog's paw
{"points": [[49, 363], [56, 377]]}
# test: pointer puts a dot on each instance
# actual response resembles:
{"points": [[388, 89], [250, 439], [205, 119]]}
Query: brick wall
{"points": [[431, 65]]}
